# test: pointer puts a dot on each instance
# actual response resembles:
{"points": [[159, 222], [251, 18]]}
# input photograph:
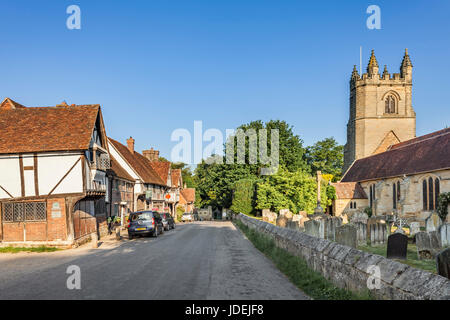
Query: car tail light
{"points": [[153, 220], [129, 225]]}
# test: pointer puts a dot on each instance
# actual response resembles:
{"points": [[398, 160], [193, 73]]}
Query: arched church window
{"points": [[430, 193], [390, 105]]}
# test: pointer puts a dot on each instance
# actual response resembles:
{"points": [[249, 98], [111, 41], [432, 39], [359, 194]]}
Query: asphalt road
{"points": [[201, 260]]}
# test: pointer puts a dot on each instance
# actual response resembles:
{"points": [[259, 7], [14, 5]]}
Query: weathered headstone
{"points": [[346, 235], [444, 233], [428, 244], [331, 224], [282, 221], [433, 222], [414, 228], [378, 233], [359, 217], [361, 232], [269, 216], [285, 212], [443, 263], [397, 246], [313, 228]]}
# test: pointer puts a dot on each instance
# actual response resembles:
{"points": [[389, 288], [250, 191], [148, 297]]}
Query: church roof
{"points": [[419, 155], [349, 190]]}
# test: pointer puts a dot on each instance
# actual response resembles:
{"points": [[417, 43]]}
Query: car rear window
{"points": [[142, 216]]}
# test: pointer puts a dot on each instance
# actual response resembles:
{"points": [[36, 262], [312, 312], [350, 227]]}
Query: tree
{"points": [[214, 183], [291, 150], [327, 156], [296, 191]]}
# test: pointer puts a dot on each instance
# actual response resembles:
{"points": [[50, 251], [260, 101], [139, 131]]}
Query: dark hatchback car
{"points": [[145, 223], [167, 220]]}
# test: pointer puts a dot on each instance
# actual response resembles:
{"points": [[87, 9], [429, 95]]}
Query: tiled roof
{"points": [[24, 130], [139, 163], [423, 154], [188, 194], [349, 190], [119, 171], [162, 168], [176, 175], [9, 104]]}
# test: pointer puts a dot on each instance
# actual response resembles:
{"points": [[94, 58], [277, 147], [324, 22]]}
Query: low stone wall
{"points": [[348, 268]]}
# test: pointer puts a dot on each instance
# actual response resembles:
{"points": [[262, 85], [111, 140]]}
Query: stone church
{"points": [[388, 168]]}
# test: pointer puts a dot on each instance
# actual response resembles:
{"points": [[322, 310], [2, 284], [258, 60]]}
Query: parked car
{"points": [[167, 220], [187, 217], [145, 223]]}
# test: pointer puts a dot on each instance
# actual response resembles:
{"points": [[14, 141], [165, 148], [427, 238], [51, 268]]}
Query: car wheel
{"points": [[130, 236]]}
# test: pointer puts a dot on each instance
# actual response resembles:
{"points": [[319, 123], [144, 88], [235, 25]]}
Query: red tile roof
{"points": [[26, 130], [119, 171], [139, 163], [9, 104], [423, 154], [349, 190], [188, 194], [176, 178], [162, 168]]}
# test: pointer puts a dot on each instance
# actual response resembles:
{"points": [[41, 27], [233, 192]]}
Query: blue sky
{"points": [[156, 66]]}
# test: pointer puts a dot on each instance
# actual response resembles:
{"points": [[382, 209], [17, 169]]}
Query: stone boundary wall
{"points": [[347, 267]]}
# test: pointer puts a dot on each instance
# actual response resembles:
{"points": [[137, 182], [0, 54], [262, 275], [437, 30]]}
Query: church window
{"points": [[430, 193], [390, 106], [371, 195]]}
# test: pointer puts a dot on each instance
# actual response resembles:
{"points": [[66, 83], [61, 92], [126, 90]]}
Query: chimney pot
{"points": [[130, 144]]}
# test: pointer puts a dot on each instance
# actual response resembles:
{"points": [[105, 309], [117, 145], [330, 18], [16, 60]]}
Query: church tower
{"points": [[381, 112]]}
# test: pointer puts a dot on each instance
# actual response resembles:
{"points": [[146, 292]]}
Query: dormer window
{"points": [[390, 107]]}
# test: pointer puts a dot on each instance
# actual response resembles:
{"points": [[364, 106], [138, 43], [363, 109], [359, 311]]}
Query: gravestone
{"points": [[282, 221], [428, 244], [359, 217], [331, 224], [443, 263], [361, 232], [414, 228], [269, 216], [444, 233], [285, 212], [378, 233], [433, 222], [313, 228], [397, 246], [346, 235]]}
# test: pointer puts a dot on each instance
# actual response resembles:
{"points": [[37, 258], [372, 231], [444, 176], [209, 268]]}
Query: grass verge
{"points": [[22, 249], [412, 259], [296, 269]]}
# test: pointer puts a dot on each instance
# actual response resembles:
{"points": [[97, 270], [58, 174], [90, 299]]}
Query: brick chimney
{"points": [[152, 155], [130, 144]]}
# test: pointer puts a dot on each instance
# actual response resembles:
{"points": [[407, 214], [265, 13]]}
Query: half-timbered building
{"points": [[53, 163]]}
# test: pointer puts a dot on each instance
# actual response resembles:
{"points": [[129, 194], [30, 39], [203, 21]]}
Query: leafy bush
{"points": [[244, 196]]}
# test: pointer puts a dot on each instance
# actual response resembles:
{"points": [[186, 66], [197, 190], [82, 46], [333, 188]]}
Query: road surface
{"points": [[201, 260]]}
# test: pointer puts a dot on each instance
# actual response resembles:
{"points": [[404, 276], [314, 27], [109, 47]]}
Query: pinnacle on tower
{"points": [[385, 72], [355, 74], [372, 68], [406, 67], [406, 60]]}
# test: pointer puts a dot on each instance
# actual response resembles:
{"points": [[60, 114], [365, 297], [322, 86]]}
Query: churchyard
{"points": [[402, 240]]}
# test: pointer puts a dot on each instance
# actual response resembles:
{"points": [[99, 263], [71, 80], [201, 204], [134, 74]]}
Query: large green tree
{"points": [[296, 191], [327, 156]]}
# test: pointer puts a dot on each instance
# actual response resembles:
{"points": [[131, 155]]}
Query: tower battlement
{"points": [[381, 111]]}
